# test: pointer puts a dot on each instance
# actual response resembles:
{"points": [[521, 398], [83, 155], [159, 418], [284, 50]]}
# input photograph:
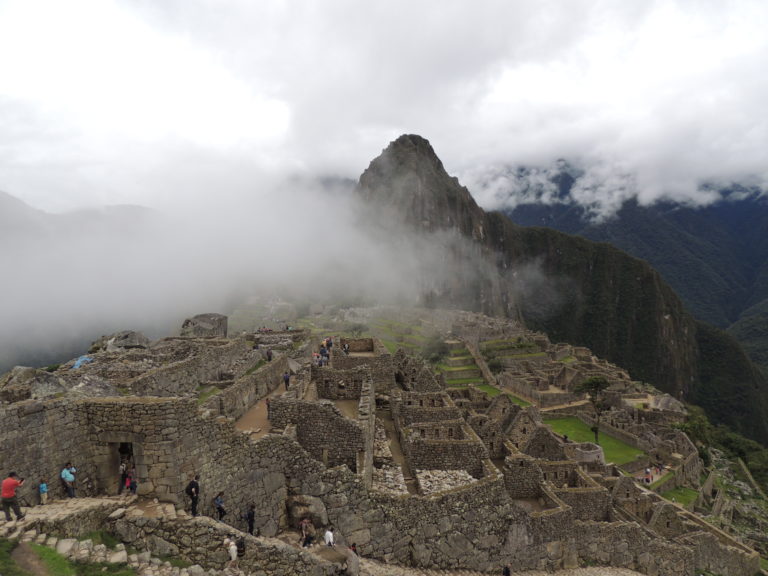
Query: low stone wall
{"points": [[200, 541], [182, 378], [90, 516], [339, 384], [463, 451], [237, 399]]}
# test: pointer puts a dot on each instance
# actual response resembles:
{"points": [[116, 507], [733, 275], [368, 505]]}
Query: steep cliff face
{"points": [[575, 290]]}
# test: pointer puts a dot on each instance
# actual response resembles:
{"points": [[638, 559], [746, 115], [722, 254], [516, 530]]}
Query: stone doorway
{"points": [[109, 454]]}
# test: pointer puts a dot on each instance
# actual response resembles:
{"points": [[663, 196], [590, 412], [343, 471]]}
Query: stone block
{"points": [[66, 546]]}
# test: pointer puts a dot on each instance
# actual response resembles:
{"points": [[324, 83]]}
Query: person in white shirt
{"points": [[329, 537]]}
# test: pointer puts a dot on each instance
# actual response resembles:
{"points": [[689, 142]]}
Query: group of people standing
{"points": [[128, 478]]}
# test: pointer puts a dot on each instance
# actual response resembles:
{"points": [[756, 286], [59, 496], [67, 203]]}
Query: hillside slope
{"points": [[575, 290]]}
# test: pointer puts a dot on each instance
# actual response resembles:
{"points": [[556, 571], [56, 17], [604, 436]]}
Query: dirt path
{"points": [[255, 420], [28, 561]]}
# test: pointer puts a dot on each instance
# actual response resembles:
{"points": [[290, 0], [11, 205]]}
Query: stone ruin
{"points": [[373, 444]]}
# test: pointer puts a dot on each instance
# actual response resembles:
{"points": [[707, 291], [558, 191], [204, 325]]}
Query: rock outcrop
{"points": [[205, 326]]}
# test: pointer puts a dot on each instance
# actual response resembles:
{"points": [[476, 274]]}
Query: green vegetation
{"points": [[58, 565], [205, 392], [615, 450], [7, 566], [52, 368], [682, 495], [101, 537], [492, 391], [704, 434], [435, 349], [454, 382], [595, 388], [518, 401]]}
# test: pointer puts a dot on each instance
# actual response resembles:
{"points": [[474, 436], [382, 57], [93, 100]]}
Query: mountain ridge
{"points": [[607, 300]]}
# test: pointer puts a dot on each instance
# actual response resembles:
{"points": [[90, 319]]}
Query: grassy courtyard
{"points": [[615, 450], [681, 495]]}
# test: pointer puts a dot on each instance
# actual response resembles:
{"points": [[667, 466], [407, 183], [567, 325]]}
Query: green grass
{"points": [[492, 391], [664, 479], [205, 392], [518, 401], [58, 565], [615, 450], [682, 495], [446, 368], [764, 564], [7, 566], [453, 382]]}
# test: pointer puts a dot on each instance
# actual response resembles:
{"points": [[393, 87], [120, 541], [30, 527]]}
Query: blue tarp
{"points": [[80, 361]]}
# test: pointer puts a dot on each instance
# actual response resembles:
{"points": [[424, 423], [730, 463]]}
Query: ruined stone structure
{"points": [[372, 444]]}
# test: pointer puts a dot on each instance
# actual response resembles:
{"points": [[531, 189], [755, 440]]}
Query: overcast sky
{"points": [[155, 103]]}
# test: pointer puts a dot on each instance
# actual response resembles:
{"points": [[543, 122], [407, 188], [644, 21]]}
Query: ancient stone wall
{"points": [[236, 399], [322, 430], [182, 378], [444, 446], [200, 541], [37, 437], [522, 475], [339, 384]]}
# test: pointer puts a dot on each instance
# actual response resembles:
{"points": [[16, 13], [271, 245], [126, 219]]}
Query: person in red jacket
{"points": [[8, 496]]}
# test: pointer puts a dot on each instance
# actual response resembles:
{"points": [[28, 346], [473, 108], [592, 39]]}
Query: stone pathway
{"points": [[370, 568]]}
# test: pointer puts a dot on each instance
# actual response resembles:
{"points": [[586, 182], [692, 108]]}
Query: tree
{"points": [[595, 387]]}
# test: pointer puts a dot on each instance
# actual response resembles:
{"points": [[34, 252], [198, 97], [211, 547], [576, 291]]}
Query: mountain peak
{"points": [[409, 178]]}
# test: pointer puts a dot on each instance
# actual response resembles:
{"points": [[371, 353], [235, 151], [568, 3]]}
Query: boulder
{"points": [[23, 383], [205, 326], [120, 341]]}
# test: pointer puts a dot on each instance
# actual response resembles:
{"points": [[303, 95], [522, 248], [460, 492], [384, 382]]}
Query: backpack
{"points": [[240, 547], [188, 490]]}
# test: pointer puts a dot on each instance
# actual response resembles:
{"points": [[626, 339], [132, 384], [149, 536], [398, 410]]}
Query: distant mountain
{"points": [[715, 257], [574, 289]]}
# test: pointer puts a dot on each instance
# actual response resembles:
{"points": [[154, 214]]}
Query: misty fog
{"points": [[71, 277]]}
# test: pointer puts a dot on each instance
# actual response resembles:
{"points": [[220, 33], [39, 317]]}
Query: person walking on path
{"points": [[231, 546], [43, 489], [329, 537], [193, 491], [8, 496], [68, 479], [123, 471], [250, 518], [218, 504], [287, 379]]}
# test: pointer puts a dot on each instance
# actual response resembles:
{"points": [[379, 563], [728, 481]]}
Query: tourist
{"points": [[133, 485], [353, 547], [123, 472], [269, 355], [345, 348], [42, 488], [8, 496], [250, 518], [68, 479], [307, 533], [506, 571], [231, 547], [193, 491], [218, 504], [329, 537], [287, 379]]}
